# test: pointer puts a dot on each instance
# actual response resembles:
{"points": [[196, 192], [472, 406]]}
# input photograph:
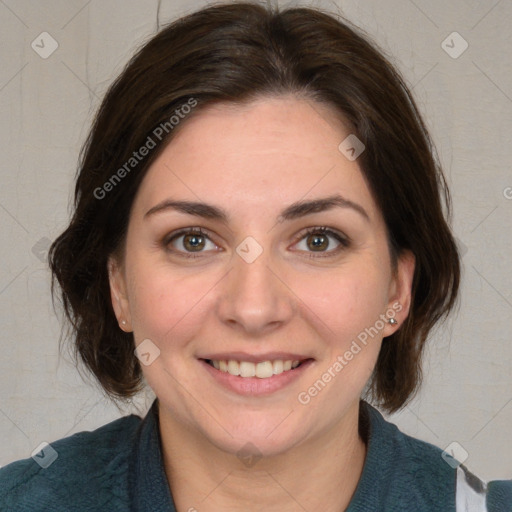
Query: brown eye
{"points": [[318, 242], [193, 242], [322, 240], [188, 241]]}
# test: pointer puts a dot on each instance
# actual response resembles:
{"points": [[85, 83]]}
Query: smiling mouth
{"points": [[262, 370]]}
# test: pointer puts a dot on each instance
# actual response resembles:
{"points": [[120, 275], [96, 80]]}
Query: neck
{"points": [[319, 473]]}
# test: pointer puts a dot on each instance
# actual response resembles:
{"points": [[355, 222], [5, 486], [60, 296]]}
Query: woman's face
{"points": [[253, 286]]}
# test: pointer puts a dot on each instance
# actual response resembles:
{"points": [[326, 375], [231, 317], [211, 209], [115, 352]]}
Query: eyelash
{"points": [[323, 230]]}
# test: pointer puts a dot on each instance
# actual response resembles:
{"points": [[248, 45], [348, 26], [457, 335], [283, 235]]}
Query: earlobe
{"points": [[400, 291], [118, 295]]}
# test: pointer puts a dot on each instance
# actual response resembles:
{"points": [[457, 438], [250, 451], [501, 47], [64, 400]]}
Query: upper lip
{"points": [[255, 358]]}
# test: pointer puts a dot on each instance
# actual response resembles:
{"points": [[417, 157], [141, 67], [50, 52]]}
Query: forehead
{"points": [[261, 155]]}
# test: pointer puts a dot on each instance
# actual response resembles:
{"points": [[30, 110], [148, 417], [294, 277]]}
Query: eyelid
{"points": [[325, 230], [186, 231], [343, 240]]}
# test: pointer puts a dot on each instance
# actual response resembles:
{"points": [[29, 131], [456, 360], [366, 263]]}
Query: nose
{"points": [[255, 298]]}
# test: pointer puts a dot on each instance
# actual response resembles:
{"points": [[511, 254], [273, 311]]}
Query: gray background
{"points": [[47, 105]]}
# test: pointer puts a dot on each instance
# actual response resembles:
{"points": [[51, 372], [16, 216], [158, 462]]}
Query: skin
{"points": [[253, 161]]}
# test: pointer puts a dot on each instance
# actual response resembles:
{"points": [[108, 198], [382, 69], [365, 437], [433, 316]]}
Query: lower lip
{"points": [[254, 386]]}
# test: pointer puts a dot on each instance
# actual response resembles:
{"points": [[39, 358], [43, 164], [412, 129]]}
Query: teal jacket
{"points": [[118, 467]]}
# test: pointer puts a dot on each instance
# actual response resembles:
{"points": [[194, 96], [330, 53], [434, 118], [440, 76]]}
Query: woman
{"points": [[258, 235]]}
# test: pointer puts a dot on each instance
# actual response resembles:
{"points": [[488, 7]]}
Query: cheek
{"points": [[167, 304], [344, 301]]}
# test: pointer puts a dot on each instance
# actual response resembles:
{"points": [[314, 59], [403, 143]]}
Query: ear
{"points": [[400, 288], [118, 294]]}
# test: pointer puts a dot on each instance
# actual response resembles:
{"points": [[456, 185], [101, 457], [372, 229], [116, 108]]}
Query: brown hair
{"points": [[234, 53]]}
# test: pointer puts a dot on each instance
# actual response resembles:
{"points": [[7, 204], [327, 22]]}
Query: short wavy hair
{"points": [[235, 53]]}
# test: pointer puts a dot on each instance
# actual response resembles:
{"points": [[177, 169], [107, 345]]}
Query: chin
{"points": [[261, 434]]}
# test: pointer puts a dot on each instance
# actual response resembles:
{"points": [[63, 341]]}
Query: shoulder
{"points": [[57, 476], [468, 491], [475, 495], [499, 496], [426, 477]]}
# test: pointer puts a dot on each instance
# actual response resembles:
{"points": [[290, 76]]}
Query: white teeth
{"points": [[262, 370], [278, 367], [233, 367], [247, 369]]}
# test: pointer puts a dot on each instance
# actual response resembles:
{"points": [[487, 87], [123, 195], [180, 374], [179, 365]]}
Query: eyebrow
{"points": [[294, 211]]}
